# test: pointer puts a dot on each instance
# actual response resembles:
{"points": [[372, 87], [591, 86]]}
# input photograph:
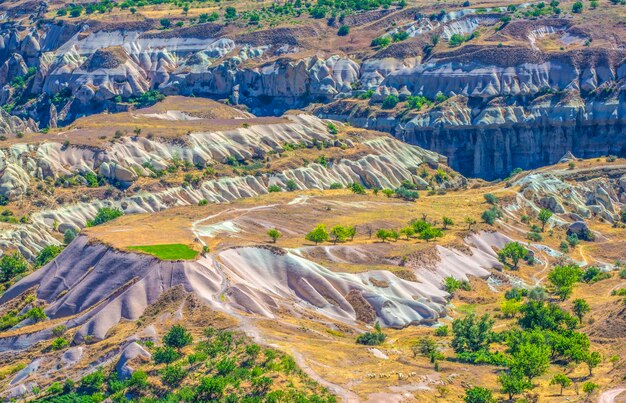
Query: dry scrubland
{"points": [[349, 365]]}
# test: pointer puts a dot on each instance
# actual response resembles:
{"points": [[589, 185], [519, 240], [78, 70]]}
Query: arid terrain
{"points": [[326, 201]]}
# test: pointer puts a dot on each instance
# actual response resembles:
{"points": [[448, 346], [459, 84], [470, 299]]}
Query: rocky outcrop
{"points": [[490, 138], [384, 162], [583, 193], [511, 106]]}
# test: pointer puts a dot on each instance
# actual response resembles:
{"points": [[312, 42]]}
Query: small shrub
{"points": [[390, 101], [442, 331]]}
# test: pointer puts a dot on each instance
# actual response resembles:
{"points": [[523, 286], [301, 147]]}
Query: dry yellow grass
{"points": [[311, 338]]}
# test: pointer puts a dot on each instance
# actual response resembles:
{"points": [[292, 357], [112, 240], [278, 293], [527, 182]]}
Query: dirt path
{"points": [[612, 396], [342, 393]]}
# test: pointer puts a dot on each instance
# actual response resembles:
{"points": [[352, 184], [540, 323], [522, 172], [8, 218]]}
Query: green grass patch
{"points": [[174, 251], [467, 309]]}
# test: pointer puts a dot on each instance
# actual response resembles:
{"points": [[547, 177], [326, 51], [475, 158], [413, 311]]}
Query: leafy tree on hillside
{"points": [[372, 338], [11, 265], [105, 214], [177, 337], [430, 233], [319, 234], [491, 198], [408, 232], [427, 347], [514, 252], [563, 279], [562, 380], [357, 188], [390, 101], [471, 333], [514, 383], [447, 221], [478, 394], [490, 216], [546, 316], [274, 234], [383, 234], [592, 360], [47, 254], [531, 360], [339, 233], [69, 236], [343, 30], [580, 308], [544, 217]]}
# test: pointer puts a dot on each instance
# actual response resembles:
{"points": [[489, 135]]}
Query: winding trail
{"points": [[611, 396], [346, 395]]}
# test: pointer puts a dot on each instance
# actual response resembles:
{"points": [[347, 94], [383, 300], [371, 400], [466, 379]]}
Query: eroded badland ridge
{"points": [[301, 201]]}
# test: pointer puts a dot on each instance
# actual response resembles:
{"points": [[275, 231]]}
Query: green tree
{"points": [[173, 375], [447, 221], [490, 216], [592, 360], [372, 338], [580, 307], [339, 233], [408, 232], [514, 383], [472, 334], [390, 101], [531, 360], [563, 279], [451, 284], [177, 337], [165, 23], [430, 233], [544, 217], [319, 234], [383, 234], [105, 214], [37, 314], [357, 188], [511, 254], [11, 265], [562, 380], [69, 236], [274, 234], [589, 387], [231, 13], [427, 347], [491, 198], [577, 7], [546, 316], [291, 185], [47, 254], [478, 394], [343, 30]]}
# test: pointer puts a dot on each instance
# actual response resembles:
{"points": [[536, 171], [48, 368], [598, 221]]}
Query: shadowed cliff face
{"points": [[492, 153]]}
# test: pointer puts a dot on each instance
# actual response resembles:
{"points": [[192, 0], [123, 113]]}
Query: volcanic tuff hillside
{"points": [[289, 201], [308, 299], [524, 84]]}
